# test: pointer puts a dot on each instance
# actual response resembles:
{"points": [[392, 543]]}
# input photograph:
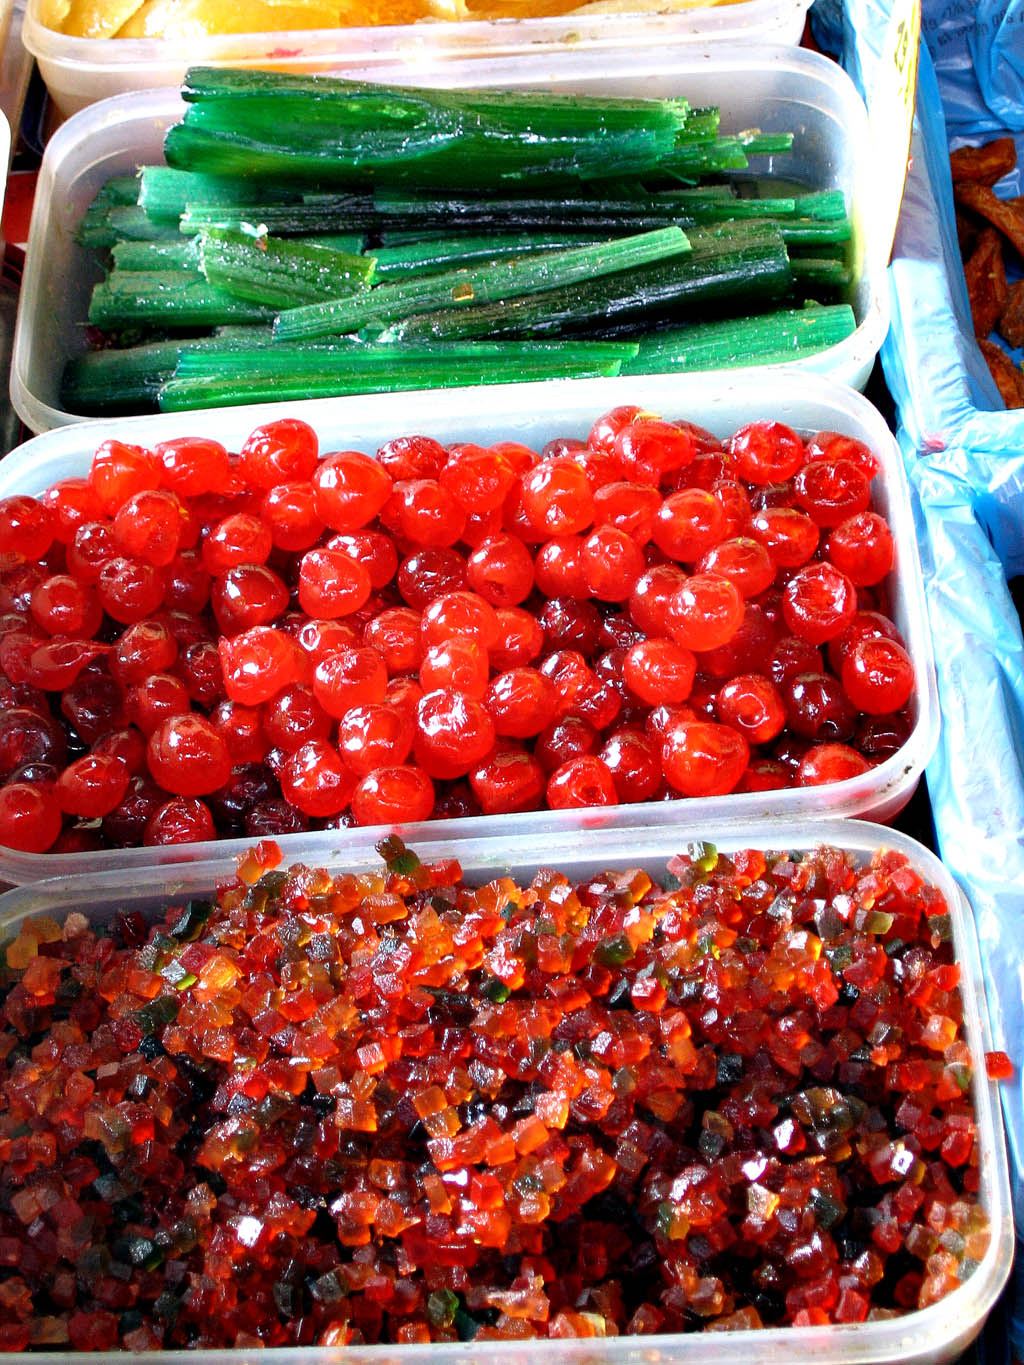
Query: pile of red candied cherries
{"points": [[391, 1107], [196, 643]]}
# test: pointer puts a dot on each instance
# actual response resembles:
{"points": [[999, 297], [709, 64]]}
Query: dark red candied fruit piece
{"points": [[29, 736], [182, 820], [429, 573], [818, 708]]}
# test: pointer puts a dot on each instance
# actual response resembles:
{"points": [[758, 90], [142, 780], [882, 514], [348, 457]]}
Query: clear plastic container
{"points": [[533, 414], [79, 71], [773, 88], [928, 1336]]}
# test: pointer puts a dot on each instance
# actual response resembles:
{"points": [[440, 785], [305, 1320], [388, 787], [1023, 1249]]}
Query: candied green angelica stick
{"points": [[481, 284], [167, 298], [165, 192], [731, 261], [181, 253], [424, 257], [763, 339], [278, 272], [328, 131], [324, 371]]}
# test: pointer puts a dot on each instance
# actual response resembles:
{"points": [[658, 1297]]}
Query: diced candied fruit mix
{"points": [[392, 1107], [197, 643]]}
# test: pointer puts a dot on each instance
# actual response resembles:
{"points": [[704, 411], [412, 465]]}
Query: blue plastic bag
{"points": [[964, 455]]}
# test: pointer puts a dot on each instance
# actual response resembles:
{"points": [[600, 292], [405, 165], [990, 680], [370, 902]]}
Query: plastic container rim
{"points": [[919, 1336], [562, 407], [72, 144]]}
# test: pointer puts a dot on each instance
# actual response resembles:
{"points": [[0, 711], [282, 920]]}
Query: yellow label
{"points": [[891, 113]]}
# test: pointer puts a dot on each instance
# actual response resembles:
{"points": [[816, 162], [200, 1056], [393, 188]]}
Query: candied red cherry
{"points": [[688, 523], [634, 763], [572, 675], [831, 445], [600, 467], [317, 639], [520, 638], [16, 650], [425, 514], [93, 544], [792, 656], [862, 548], [30, 818], [652, 595], [247, 595], [375, 736], [248, 785], [825, 763], [629, 507], [500, 570], [611, 564], [749, 650], [456, 663], [521, 702], [751, 704], [556, 498], [331, 583], [743, 561], [268, 819], [659, 671], [125, 826], [118, 471], [453, 733], [765, 775], [63, 606], [570, 623], [789, 535], [373, 550], [315, 779], [182, 820], [703, 758], [192, 465], [18, 584], [818, 708], [93, 704], [396, 636], [878, 676], [412, 457], [564, 739], [394, 794], [241, 728], [818, 602], [705, 612], [430, 573], [278, 452], [129, 590], [55, 664], [736, 505], [600, 704], [481, 526], [352, 677], [350, 489], [72, 502], [292, 717], [508, 781], [92, 786], [187, 756], [603, 433], [257, 664], [463, 615], [765, 452], [879, 737], [558, 567], [27, 527], [127, 743], [288, 511], [404, 695], [186, 583], [619, 631], [477, 477], [145, 647], [830, 491], [27, 736], [580, 782], [200, 670], [866, 625], [148, 526], [236, 539], [650, 448]]}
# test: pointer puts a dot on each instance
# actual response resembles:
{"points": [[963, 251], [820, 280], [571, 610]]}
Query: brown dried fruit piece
{"points": [[1006, 215], [986, 282], [983, 165], [1009, 377], [1011, 319]]}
